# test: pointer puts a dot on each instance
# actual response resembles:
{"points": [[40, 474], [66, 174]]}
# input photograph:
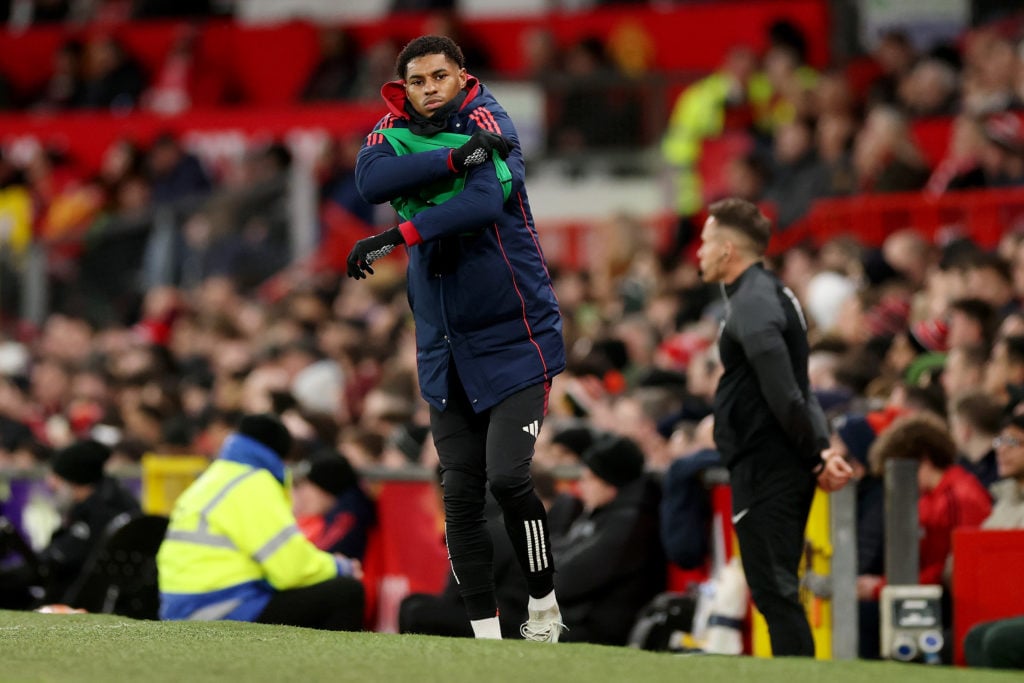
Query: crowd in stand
{"points": [[784, 134], [904, 334]]}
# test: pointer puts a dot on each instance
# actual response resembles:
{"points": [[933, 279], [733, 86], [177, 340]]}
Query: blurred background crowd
{"points": [[166, 273]]}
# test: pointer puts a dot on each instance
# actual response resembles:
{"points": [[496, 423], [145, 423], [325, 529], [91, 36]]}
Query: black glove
{"points": [[477, 149], [369, 249]]}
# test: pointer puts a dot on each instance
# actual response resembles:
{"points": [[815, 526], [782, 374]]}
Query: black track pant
{"points": [[771, 503], [334, 605], [493, 448]]}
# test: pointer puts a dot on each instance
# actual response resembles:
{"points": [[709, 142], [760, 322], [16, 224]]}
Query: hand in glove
{"points": [[369, 249], [477, 150]]}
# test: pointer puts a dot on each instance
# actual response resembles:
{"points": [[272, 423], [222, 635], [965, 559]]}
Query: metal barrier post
{"points": [[158, 269], [302, 215], [902, 538], [35, 290], [843, 506]]}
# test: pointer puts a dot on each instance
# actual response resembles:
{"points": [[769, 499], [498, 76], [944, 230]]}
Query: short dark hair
{"points": [[979, 410], [979, 311], [428, 45], [975, 355], [746, 218], [987, 260]]}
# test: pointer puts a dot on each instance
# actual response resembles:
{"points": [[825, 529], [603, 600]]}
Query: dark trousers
{"points": [[16, 583], [493, 448], [771, 503], [435, 615], [996, 644], [334, 605]]}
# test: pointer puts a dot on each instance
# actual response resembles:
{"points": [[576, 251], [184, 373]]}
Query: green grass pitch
{"points": [[69, 648]]}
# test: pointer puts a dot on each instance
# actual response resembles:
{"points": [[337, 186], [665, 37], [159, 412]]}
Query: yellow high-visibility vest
{"points": [[234, 525]]}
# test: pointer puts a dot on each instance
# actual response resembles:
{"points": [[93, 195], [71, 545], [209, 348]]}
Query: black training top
{"points": [[763, 402]]}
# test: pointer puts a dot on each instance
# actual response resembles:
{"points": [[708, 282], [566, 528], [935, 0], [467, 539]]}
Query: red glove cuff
{"points": [[409, 233]]}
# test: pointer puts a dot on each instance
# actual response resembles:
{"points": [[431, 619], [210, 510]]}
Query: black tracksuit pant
{"points": [[772, 497], [333, 605], [493, 448]]}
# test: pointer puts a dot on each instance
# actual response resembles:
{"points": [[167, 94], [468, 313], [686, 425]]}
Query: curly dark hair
{"points": [[428, 45], [919, 436]]}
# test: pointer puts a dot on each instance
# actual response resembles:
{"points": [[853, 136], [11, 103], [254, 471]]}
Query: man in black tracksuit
{"points": [[90, 501], [769, 428]]}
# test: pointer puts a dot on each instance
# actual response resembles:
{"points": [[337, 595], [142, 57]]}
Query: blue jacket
{"points": [[478, 283]]}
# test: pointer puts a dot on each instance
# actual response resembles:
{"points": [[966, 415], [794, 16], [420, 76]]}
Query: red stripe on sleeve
{"points": [[487, 113]]}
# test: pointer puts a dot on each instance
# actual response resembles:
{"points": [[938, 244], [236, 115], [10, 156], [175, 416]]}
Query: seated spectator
{"points": [[586, 117], [1008, 511], [335, 168], [894, 55], [567, 443], [542, 56], [746, 177], [174, 172], [1004, 374], [950, 497], [685, 511], [233, 549], [989, 277], [336, 73], [403, 446], [964, 369], [363, 447], [990, 68], [89, 501], [112, 79], [796, 178], [974, 419], [610, 562], [332, 509], [960, 168], [970, 321], [833, 137], [792, 80], [885, 158], [1002, 155], [929, 89]]}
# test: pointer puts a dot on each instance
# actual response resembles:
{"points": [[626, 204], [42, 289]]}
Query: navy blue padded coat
{"points": [[478, 283]]}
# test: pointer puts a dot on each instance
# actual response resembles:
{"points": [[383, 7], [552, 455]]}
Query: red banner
{"points": [[211, 133]]}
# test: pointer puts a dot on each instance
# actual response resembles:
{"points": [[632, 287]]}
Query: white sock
{"points": [[541, 604], [488, 628]]}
